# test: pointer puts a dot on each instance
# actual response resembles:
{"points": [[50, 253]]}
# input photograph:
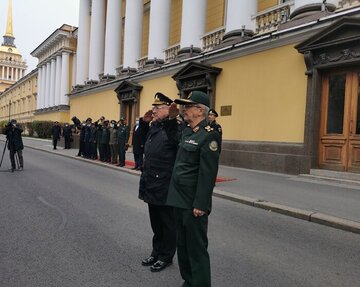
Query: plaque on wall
{"points": [[225, 110]]}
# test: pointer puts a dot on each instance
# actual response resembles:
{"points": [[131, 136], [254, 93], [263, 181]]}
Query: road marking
{"points": [[63, 215]]}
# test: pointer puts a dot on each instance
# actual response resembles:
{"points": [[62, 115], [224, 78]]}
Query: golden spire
{"points": [[9, 25]]}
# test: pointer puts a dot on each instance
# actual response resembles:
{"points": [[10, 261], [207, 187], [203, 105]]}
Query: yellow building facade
{"points": [[282, 74]]}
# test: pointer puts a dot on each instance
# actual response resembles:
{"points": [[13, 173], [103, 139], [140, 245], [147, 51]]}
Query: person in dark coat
{"points": [[99, 128], [67, 134], [93, 141], [15, 144], [55, 133], [104, 142], [82, 140], [212, 115], [87, 136], [123, 138], [160, 153], [138, 142]]}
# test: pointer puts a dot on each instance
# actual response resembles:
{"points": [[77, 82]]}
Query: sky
{"points": [[35, 20]]}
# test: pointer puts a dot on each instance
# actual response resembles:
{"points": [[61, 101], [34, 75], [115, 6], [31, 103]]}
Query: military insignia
{"points": [[192, 142], [189, 96], [213, 146], [208, 128], [196, 129]]}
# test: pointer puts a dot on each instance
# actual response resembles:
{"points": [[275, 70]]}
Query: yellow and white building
{"points": [[282, 74]]}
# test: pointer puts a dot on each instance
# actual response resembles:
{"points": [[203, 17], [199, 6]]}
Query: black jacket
{"points": [[160, 153], [13, 135], [56, 132], [139, 137]]}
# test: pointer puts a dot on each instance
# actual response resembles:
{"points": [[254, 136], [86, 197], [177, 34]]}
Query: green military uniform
{"points": [[191, 186], [123, 138]]}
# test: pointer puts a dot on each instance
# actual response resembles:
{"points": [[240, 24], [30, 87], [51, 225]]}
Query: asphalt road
{"points": [[68, 223]]}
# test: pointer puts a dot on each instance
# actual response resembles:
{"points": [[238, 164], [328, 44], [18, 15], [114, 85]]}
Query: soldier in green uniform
{"points": [[123, 138], [191, 188]]}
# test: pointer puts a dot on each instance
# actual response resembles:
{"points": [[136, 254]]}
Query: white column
{"points": [[7, 73], [47, 87], [3, 72], [299, 3], [73, 70], [238, 14], [159, 28], [12, 74], [112, 37], [193, 22], [43, 86], [97, 39], [58, 80], [133, 32], [83, 41], [64, 89], [16, 74], [52, 82], [38, 88]]}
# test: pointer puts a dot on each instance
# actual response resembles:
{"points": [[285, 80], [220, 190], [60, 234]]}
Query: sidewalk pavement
{"points": [[327, 202]]}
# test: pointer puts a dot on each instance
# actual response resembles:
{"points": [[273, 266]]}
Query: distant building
{"points": [[12, 66]]}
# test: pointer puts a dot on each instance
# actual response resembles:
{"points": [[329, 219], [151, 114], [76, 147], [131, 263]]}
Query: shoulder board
{"points": [[208, 128]]}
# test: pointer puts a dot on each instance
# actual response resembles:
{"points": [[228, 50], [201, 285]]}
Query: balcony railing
{"points": [[349, 3], [171, 53], [141, 62], [212, 39], [269, 20]]}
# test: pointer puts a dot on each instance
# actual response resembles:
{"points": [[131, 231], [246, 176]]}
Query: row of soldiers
{"points": [[107, 138]]}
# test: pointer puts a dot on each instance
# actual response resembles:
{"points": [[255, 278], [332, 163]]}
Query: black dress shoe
{"points": [[148, 261], [159, 265]]}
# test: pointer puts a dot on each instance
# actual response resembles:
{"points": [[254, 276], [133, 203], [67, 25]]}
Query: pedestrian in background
{"points": [[191, 188], [87, 136], [113, 142], [15, 145], [93, 141], [55, 133], [67, 135], [214, 124], [123, 138], [159, 157], [138, 141], [104, 142]]}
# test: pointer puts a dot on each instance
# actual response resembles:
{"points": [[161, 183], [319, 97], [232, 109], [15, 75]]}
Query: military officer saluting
{"points": [[160, 153], [123, 138], [191, 187], [212, 121]]}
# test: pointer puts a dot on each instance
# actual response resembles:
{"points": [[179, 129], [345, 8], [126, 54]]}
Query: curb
{"points": [[315, 217], [312, 216]]}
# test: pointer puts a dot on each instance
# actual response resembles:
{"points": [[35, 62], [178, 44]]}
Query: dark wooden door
{"points": [[340, 122]]}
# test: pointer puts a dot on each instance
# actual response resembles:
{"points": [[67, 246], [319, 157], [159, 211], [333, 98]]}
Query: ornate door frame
{"points": [[333, 48]]}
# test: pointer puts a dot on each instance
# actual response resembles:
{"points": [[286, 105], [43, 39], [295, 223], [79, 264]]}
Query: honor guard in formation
{"points": [[160, 153], [191, 188], [123, 138], [15, 144]]}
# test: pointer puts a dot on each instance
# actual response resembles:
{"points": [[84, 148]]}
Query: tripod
{"points": [[15, 155], [2, 157]]}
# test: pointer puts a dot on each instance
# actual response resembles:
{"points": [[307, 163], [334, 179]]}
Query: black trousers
{"points": [[55, 140], [192, 244], [12, 158], [122, 153], [138, 157], [81, 148], [67, 142], [162, 221]]}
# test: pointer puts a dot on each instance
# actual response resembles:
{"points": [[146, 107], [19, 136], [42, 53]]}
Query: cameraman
{"points": [[15, 144]]}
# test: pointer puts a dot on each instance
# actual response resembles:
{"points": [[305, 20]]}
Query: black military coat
{"points": [[13, 135], [160, 153]]}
